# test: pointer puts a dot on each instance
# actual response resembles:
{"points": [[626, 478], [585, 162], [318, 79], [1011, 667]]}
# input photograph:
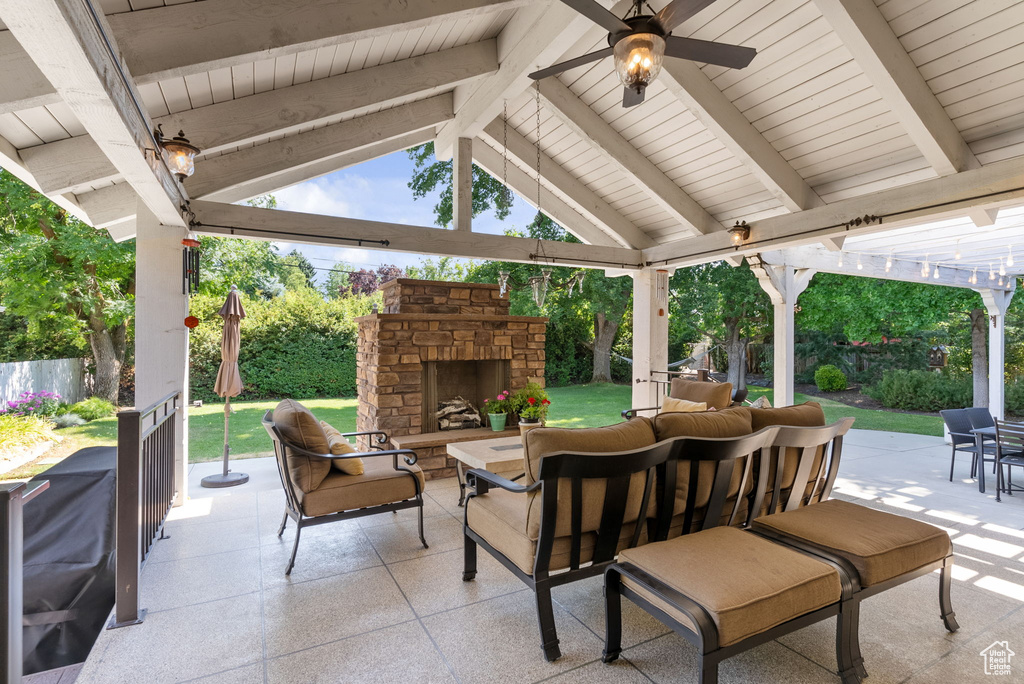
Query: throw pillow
{"points": [[673, 405], [299, 427], [339, 445]]}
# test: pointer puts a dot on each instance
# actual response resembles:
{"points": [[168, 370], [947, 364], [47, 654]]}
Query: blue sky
{"points": [[376, 190]]}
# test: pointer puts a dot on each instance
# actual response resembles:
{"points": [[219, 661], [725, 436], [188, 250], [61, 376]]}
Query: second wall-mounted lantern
{"points": [[178, 153]]}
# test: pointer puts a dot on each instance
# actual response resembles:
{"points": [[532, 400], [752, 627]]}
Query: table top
{"points": [[985, 431], [496, 455]]}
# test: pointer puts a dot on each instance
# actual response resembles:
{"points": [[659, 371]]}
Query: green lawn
{"points": [[577, 406]]}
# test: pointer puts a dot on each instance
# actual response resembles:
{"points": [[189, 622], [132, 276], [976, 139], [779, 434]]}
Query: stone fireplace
{"points": [[435, 341]]}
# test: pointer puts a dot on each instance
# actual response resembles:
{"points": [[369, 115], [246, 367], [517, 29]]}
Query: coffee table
{"points": [[501, 455]]}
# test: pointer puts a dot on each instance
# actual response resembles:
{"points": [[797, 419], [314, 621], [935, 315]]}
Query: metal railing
{"points": [[13, 497], [145, 492]]}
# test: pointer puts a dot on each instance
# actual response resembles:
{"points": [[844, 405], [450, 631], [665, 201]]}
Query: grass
{"points": [[576, 406]]}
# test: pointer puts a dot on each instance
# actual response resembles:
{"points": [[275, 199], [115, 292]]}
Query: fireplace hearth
{"points": [[434, 342]]}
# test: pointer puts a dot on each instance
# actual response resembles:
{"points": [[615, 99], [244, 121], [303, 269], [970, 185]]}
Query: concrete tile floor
{"points": [[365, 603]]}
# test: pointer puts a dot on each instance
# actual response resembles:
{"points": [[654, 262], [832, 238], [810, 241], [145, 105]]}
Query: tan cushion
{"points": [[880, 545], [808, 414], [301, 428], [379, 484], [673, 405], [499, 516], [339, 445], [633, 434], [714, 394], [746, 583]]}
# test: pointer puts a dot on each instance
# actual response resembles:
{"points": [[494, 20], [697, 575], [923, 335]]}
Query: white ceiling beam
{"points": [[720, 116], [272, 224], [107, 206], [270, 184], [67, 165], [871, 266], [535, 37], [193, 38], [10, 160], [995, 185], [462, 185], [214, 174], [595, 131], [582, 198], [74, 49], [879, 53], [551, 204]]}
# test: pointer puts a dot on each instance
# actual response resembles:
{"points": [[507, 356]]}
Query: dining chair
{"points": [[981, 417], [959, 425], [1009, 453]]}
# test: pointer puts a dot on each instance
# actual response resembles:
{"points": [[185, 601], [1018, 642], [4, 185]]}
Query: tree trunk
{"points": [[107, 358], [736, 352], [979, 356], [604, 338]]}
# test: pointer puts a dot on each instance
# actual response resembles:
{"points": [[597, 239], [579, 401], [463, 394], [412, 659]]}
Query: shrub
{"points": [[40, 404], [922, 390], [828, 378], [1014, 397], [66, 420], [18, 432], [93, 408]]}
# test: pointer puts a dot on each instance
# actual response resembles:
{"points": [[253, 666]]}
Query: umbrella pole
{"points": [[227, 448], [227, 478]]}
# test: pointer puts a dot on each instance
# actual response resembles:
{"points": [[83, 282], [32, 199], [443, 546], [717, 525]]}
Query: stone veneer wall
{"points": [[436, 321]]}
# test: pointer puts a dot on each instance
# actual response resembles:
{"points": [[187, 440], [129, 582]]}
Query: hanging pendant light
{"points": [[502, 282], [539, 287]]}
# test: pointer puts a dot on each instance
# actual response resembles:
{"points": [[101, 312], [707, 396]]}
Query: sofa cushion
{"points": [[755, 585], [673, 405], [808, 414], [716, 395], [300, 427], [500, 517], [880, 545], [633, 434], [339, 446], [379, 484]]}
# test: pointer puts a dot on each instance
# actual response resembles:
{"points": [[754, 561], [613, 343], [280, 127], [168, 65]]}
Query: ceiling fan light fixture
{"points": [[638, 59]]}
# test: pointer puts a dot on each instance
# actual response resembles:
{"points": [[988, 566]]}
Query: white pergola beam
{"points": [[586, 201], [650, 338], [535, 37], [272, 224], [993, 185], [65, 165], [720, 116], [110, 205], [462, 185], [193, 38], [74, 49], [596, 132], [551, 204], [879, 53]]}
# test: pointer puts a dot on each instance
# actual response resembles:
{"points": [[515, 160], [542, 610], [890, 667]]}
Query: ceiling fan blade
{"points": [[678, 11], [572, 63], [599, 15], [631, 97], [720, 54]]}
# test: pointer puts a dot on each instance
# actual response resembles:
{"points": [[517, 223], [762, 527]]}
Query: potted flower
{"points": [[531, 403], [497, 410]]}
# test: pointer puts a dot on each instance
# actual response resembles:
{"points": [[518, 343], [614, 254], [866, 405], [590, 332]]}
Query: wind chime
{"points": [[538, 284]]}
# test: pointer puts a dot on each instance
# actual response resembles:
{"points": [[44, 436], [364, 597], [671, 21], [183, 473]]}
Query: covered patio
{"points": [[881, 139]]}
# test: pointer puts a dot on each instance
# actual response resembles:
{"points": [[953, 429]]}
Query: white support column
{"points": [[783, 285], [161, 338], [996, 302], [462, 185], [650, 335]]}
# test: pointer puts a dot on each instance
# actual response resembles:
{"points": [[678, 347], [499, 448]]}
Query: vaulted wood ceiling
{"points": [[847, 101]]}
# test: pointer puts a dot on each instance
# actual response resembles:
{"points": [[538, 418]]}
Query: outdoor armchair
{"points": [[717, 395], [1009, 453], [317, 493], [585, 496]]}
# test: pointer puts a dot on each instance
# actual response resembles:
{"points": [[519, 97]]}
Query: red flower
{"points": [[546, 402], [532, 401]]}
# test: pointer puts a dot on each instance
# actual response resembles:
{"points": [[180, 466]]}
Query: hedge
{"points": [[297, 345], [922, 390]]}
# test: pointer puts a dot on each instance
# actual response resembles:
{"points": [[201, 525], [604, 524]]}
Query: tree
{"points": [[429, 175], [723, 303], [366, 281], [297, 272], [336, 283], [59, 271], [253, 265]]}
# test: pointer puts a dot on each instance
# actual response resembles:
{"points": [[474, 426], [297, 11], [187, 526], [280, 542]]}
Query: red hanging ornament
{"points": [[191, 322]]}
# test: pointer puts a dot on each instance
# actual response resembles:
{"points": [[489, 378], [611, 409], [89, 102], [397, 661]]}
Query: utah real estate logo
{"points": [[997, 658]]}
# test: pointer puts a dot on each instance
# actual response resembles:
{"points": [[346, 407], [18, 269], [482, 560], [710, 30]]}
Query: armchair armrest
{"points": [[408, 454], [382, 437], [482, 480], [629, 414]]}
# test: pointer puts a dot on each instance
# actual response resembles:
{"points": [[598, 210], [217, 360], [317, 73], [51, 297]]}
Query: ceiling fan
{"points": [[639, 43]]}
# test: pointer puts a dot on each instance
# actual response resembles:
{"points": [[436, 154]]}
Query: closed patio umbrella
{"points": [[229, 381]]}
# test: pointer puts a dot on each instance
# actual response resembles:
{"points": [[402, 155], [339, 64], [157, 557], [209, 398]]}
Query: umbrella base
{"points": [[221, 480]]}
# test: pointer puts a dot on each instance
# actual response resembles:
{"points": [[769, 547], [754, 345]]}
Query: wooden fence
{"points": [[67, 377]]}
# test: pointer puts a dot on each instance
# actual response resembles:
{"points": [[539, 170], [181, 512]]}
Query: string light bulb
{"points": [[1002, 268], [860, 266], [957, 254], [888, 262], [840, 262], [991, 273], [924, 268], [936, 273], [1009, 259], [973, 280]]}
